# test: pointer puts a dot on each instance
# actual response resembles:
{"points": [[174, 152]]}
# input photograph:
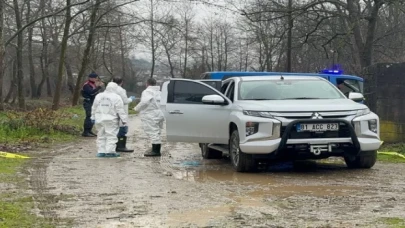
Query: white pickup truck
{"points": [[271, 117]]}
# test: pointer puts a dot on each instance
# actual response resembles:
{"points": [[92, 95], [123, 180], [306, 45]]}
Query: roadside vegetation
{"points": [[22, 131], [39, 126], [398, 149]]}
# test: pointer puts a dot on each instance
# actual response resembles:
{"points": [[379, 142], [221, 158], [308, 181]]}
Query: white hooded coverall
{"points": [[108, 111], [151, 115], [123, 94]]}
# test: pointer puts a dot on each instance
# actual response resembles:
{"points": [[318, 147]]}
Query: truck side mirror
{"points": [[356, 96], [214, 100]]}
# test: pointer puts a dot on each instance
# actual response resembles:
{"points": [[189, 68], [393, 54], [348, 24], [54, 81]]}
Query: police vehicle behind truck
{"points": [[257, 118], [346, 83]]}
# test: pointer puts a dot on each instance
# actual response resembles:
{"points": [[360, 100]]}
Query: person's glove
{"points": [[93, 121], [132, 98]]}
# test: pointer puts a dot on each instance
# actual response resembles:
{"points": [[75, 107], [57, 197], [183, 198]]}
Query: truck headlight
{"points": [[363, 112], [258, 114], [251, 128], [372, 125]]}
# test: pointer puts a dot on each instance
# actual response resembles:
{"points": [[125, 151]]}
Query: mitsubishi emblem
{"points": [[316, 115]]}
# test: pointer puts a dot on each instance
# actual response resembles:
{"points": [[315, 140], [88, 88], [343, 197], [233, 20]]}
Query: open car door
{"points": [[214, 83], [189, 117]]}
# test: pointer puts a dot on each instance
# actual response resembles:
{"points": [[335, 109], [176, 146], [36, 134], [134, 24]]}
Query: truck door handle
{"points": [[175, 112]]}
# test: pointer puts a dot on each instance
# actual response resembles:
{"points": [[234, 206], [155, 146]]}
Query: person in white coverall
{"points": [[151, 115], [106, 113], [122, 133]]}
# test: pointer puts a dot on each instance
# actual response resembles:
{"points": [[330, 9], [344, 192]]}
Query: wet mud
{"points": [[180, 189]]}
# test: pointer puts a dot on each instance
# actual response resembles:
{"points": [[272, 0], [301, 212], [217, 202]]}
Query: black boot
{"points": [[155, 151], [122, 145], [88, 134]]}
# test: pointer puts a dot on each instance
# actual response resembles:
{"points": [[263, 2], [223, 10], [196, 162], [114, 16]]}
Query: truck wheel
{"points": [[365, 160], [209, 153], [241, 162]]}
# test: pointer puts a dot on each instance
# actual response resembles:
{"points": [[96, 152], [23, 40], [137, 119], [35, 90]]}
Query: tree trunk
{"points": [[69, 73], [152, 29], [106, 38], [169, 60], [110, 54], [44, 69], [268, 57], [48, 86], [289, 37], [247, 56], [226, 50], [261, 56], [122, 51], [44, 53], [30, 58], [365, 48], [212, 47], [13, 84], [56, 98], [86, 56], [1, 54], [20, 73], [185, 48], [367, 52]]}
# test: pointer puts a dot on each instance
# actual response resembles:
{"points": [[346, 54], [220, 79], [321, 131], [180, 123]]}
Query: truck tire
{"points": [[364, 160], [241, 162], [209, 153]]}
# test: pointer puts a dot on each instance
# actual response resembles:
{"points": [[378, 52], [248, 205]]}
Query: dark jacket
{"points": [[90, 90]]}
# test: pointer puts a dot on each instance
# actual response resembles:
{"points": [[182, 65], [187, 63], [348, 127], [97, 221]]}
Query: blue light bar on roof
{"points": [[326, 71], [335, 70]]}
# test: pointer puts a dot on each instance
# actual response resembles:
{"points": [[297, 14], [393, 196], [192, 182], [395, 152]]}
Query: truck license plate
{"points": [[318, 127]]}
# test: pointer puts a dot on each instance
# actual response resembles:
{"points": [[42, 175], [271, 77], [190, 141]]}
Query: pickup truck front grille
{"points": [[306, 117], [343, 132]]}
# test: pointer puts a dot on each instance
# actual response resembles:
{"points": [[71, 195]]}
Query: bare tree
{"points": [[20, 72], [56, 98], [85, 61]]}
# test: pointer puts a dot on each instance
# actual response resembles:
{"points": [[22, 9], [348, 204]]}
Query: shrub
{"points": [[38, 125], [45, 120]]}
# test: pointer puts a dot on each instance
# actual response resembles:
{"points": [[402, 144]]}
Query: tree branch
{"points": [[40, 18]]}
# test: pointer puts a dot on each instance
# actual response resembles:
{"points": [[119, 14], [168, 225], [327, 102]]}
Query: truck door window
{"points": [[186, 92], [230, 93], [210, 83], [348, 85]]}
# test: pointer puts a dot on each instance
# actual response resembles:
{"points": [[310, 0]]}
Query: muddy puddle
{"points": [[265, 193]]}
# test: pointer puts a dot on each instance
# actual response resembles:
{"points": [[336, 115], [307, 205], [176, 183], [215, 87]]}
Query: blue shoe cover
{"points": [[100, 155], [112, 155]]}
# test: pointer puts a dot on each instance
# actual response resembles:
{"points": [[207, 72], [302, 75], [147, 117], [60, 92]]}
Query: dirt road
{"points": [[180, 189]]}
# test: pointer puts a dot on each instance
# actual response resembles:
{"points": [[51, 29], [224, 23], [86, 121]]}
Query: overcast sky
{"points": [[201, 10]]}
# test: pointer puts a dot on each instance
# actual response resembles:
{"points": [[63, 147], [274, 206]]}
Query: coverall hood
{"points": [[154, 88], [112, 87]]}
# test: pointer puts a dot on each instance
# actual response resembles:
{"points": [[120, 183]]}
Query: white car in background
{"points": [[271, 117]]}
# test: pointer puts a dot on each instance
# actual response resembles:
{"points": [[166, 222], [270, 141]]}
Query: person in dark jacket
{"points": [[89, 91]]}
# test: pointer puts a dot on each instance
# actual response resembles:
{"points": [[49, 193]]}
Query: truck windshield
{"points": [[287, 90]]}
